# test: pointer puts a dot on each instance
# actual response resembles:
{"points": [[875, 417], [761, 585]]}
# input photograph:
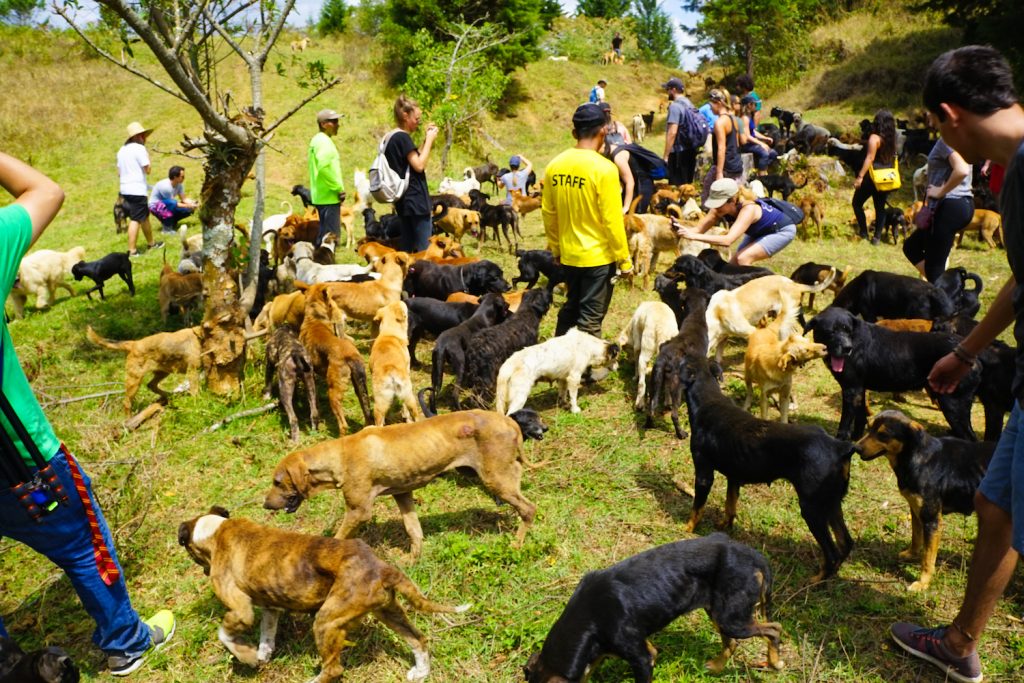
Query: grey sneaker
{"points": [[156, 245], [926, 644], [161, 628]]}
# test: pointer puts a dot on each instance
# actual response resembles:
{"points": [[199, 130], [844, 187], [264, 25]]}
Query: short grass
{"points": [[606, 492]]}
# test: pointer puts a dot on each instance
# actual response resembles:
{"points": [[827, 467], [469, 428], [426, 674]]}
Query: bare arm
{"points": [[720, 134], [626, 176], [39, 195], [747, 215], [418, 158], [874, 142]]}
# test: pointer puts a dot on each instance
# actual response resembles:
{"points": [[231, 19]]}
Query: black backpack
{"points": [[646, 161]]}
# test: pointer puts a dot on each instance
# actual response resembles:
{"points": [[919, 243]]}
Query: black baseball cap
{"points": [[587, 116]]}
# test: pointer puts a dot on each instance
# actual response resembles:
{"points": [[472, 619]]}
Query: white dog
{"points": [[309, 271], [560, 359], [459, 187], [639, 128], [652, 324], [41, 273], [362, 184]]}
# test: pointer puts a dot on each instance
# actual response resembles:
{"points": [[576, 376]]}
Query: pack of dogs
{"points": [[882, 332]]}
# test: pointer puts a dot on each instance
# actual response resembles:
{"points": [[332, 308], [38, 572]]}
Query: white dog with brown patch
{"points": [[772, 362], [652, 324], [563, 360], [390, 364], [41, 273]]}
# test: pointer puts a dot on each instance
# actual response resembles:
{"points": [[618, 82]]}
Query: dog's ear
{"points": [[786, 361], [219, 511], [298, 474], [184, 534], [811, 325], [612, 351]]}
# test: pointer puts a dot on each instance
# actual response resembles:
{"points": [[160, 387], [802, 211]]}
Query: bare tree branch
{"points": [[319, 91], [275, 32], [189, 26], [246, 57]]}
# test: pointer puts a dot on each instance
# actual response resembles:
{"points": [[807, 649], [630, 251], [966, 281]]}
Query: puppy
{"points": [[102, 270], [40, 274], [562, 359], [390, 364], [771, 362], [288, 361], [49, 665], [181, 291], [341, 581], [934, 475], [652, 324], [895, 223], [120, 215], [613, 611], [162, 353], [398, 459]]}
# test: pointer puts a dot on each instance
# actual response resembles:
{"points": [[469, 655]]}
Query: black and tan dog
{"points": [[934, 475], [614, 610], [341, 581], [101, 270], [48, 665], [397, 459]]}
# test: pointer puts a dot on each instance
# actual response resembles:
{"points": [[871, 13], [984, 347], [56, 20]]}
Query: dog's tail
{"points": [[124, 346], [358, 370], [287, 204], [976, 279], [444, 211], [823, 285], [396, 581], [426, 406]]}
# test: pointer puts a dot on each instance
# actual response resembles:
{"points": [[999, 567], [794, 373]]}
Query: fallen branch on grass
{"points": [[266, 408], [136, 421], [75, 399]]}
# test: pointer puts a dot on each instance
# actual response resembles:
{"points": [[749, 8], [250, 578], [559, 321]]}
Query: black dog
{"points": [[786, 120], [697, 275], [812, 273], [934, 475], [302, 192], [875, 294], [495, 216], [439, 281], [448, 200], [385, 230], [713, 260], [748, 450], [895, 223], [648, 121], [614, 610], [670, 294], [998, 368], [954, 283], [862, 356], [451, 345], [432, 316], [120, 215], [49, 665], [492, 346], [103, 269], [536, 262], [782, 184], [264, 275], [666, 386]]}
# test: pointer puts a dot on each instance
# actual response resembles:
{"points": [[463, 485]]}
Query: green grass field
{"points": [[607, 489]]}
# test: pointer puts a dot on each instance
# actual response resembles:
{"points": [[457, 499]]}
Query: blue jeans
{"points": [[416, 232], [63, 536], [1004, 480]]}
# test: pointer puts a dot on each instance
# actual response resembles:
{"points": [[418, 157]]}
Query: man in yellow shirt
{"points": [[582, 210]]}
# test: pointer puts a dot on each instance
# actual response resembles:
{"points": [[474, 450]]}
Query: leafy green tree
{"points": [[606, 9], [333, 18], [19, 11], [655, 35], [454, 81], [549, 11], [996, 22]]}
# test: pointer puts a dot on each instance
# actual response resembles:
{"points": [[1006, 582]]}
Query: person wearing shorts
{"points": [[765, 230], [132, 169], [969, 91]]}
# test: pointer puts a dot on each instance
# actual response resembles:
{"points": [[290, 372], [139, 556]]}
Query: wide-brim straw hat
{"points": [[136, 128]]}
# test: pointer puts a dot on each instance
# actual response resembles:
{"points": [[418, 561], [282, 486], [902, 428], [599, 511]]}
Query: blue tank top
{"points": [[771, 219]]}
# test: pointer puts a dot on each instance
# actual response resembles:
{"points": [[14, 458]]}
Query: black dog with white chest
{"points": [[614, 610], [48, 665], [101, 270]]}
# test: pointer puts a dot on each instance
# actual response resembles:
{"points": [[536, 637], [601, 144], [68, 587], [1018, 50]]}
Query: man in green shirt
{"points": [[71, 531], [325, 185]]}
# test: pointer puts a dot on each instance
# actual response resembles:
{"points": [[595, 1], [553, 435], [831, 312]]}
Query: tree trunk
{"points": [[226, 168], [449, 138], [750, 58]]}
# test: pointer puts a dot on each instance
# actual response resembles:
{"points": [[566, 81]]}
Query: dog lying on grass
{"points": [[103, 269], [341, 581], [288, 361], [162, 353], [40, 274], [934, 475], [613, 611], [563, 360], [398, 459]]}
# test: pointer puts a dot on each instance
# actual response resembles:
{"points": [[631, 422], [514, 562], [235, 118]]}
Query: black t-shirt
{"points": [[416, 200], [616, 42]]}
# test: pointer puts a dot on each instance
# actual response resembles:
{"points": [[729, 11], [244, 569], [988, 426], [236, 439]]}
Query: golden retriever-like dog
{"points": [[371, 251], [653, 323], [40, 274], [524, 204], [988, 224], [182, 291], [771, 362], [397, 459], [390, 364], [459, 222], [282, 309], [612, 57], [513, 299], [362, 300], [733, 313], [162, 353], [341, 581]]}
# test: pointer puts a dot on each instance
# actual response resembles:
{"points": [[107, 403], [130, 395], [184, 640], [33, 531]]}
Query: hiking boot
{"points": [[926, 644], [161, 628]]}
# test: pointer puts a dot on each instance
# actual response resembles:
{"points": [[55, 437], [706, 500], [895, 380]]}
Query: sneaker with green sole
{"points": [[161, 628]]}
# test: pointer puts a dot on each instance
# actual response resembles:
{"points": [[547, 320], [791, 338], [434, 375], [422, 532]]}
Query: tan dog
{"points": [[988, 224], [295, 229], [611, 57], [813, 212], [362, 300], [370, 251], [513, 299], [162, 353], [910, 213], [181, 291], [771, 363], [733, 313], [524, 204], [641, 251], [390, 364], [439, 247], [398, 459], [41, 273], [459, 222], [653, 323], [282, 309], [348, 218], [341, 581], [334, 355]]}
